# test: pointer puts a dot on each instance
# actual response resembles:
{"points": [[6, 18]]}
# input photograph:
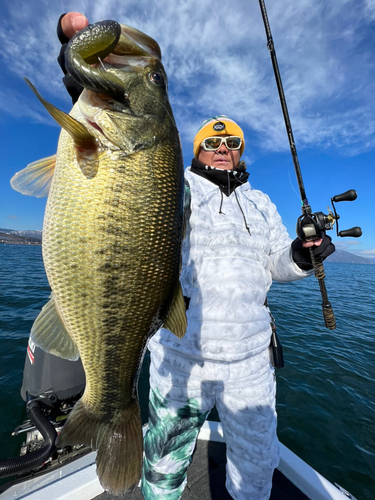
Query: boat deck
{"points": [[77, 478], [206, 478]]}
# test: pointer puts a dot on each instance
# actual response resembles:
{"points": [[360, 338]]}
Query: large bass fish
{"points": [[111, 237]]}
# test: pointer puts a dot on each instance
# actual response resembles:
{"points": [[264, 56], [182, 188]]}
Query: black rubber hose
{"points": [[30, 461]]}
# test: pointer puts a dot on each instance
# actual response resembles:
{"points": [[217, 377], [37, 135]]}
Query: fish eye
{"points": [[157, 78]]}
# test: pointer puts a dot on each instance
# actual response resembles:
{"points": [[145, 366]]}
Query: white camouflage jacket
{"points": [[233, 248]]}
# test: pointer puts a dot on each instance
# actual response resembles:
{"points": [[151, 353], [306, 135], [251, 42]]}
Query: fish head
{"points": [[125, 100], [142, 118]]}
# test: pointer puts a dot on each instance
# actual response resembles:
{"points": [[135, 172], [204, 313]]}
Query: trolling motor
{"points": [[310, 225]]}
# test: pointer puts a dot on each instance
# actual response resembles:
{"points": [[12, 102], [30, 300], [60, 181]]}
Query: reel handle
{"points": [[350, 195], [354, 232]]}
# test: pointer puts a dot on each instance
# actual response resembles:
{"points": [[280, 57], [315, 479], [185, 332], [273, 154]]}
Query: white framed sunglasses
{"points": [[214, 143]]}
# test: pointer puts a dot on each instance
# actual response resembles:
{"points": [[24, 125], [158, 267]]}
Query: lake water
{"points": [[326, 391]]}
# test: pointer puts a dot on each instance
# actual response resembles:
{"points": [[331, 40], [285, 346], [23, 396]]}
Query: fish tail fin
{"points": [[119, 444], [120, 453]]}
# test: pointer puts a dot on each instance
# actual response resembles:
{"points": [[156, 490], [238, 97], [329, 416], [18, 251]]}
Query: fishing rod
{"points": [[310, 225]]}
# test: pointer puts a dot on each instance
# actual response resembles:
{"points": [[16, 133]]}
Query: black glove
{"points": [[71, 85], [301, 255]]}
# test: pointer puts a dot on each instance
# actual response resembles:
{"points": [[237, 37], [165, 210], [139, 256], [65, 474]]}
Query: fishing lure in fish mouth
{"points": [[100, 58], [94, 43], [310, 225]]}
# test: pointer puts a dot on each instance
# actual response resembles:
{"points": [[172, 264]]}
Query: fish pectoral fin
{"points": [[36, 178], [79, 133], [176, 321], [49, 333]]}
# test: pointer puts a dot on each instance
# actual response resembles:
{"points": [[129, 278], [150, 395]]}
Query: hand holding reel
{"points": [[311, 226], [314, 225]]}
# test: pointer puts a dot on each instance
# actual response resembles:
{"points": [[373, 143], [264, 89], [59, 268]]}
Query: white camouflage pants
{"points": [[181, 397]]}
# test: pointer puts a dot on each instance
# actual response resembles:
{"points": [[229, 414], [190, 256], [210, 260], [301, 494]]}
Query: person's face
{"points": [[221, 158]]}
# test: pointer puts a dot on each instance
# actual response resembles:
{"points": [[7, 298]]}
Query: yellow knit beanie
{"points": [[218, 125]]}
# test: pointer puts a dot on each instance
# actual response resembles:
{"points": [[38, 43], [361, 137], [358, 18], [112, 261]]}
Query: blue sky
{"points": [[217, 62]]}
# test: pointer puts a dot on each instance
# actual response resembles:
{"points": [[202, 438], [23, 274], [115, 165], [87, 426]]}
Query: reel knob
{"points": [[350, 195], [354, 232]]}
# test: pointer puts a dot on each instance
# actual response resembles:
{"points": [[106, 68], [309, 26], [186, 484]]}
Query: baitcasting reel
{"points": [[313, 225]]}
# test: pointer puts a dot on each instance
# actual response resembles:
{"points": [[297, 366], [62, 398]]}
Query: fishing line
{"points": [[291, 184], [171, 117], [102, 65]]}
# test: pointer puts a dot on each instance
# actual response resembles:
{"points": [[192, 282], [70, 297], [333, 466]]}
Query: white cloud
{"points": [[370, 8], [19, 106], [345, 244], [217, 61]]}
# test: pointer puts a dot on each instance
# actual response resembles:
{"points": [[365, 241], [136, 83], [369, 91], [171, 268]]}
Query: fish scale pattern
{"points": [[111, 252]]}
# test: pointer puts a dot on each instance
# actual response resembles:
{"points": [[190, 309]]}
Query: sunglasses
{"points": [[214, 143]]}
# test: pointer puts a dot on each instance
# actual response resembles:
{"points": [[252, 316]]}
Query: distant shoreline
{"points": [[9, 238], [26, 243]]}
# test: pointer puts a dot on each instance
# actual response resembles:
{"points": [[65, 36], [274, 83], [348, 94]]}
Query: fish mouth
{"points": [[87, 50], [100, 58]]}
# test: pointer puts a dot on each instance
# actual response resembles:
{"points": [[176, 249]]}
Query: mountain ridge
{"points": [[343, 257]]}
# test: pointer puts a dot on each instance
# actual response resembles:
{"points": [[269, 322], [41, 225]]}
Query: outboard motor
{"points": [[49, 377], [51, 386]]}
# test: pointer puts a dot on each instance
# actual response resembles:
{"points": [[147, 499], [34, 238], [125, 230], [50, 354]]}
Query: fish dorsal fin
{"points": [[36, 178], [176, 321], [81, 136], [49, 333]]}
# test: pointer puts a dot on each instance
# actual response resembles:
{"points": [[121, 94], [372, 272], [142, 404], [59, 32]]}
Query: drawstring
{"points": [[221, 203], [221, 192], [243, 215]]}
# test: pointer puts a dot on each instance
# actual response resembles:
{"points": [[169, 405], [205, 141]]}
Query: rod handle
{"points": [[328, 315]]}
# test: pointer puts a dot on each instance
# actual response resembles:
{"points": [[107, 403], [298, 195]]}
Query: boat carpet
{"points": [[206, 479]]}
